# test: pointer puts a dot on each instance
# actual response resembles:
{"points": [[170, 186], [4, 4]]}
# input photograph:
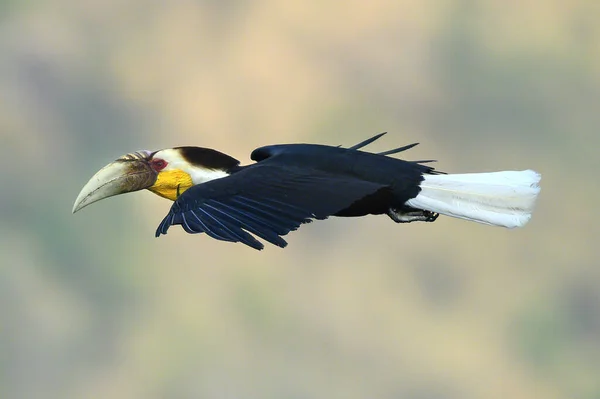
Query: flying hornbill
{"points": [[291, 184]]}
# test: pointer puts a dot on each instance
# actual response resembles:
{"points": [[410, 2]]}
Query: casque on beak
{"points": [[131, 172]]}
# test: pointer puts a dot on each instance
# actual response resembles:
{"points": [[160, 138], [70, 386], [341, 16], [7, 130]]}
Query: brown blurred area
{"points": [[93, 306]]}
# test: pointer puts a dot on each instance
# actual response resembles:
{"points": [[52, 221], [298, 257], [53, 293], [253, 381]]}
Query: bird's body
{"points": [[291, 184], [397, 180]]}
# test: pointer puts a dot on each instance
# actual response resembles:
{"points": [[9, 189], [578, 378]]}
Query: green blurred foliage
{"points": [[91, 305]]}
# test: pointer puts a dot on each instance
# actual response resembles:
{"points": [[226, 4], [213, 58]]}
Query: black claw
{"points": [[431, 216]]}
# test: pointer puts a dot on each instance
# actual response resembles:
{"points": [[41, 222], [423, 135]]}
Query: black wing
{"points": [[267, 200]]}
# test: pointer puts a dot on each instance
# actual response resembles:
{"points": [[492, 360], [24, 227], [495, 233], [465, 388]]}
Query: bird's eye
{"points": [[159, 164]]}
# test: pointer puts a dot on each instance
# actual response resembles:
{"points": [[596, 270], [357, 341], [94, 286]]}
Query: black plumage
{"points": [[291, 184], [207, 158]]}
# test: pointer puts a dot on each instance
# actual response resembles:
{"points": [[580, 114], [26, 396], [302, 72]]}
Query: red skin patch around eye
{"points": [[158, 164]]}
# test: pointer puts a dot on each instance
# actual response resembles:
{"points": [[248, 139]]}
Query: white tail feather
{"points": [[499, 198]]}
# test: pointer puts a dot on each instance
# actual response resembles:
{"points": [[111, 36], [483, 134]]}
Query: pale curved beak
{"points": [[131, 172]]}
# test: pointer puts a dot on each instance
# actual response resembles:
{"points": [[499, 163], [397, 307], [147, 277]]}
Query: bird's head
{"points": [[167, 173]]}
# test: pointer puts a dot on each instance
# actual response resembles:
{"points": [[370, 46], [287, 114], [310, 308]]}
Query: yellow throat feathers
{"points": [[171, 183]]}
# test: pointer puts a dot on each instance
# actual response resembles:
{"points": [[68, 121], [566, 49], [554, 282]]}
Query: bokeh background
{"points": [[93, 306]]}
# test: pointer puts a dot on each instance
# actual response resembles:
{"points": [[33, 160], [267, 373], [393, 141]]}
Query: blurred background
{"points": [[93, 306]]}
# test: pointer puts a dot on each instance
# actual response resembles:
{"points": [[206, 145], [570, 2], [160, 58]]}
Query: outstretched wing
{"points": [[267, 200]]}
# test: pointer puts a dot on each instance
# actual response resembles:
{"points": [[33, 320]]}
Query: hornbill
{"points": [[291, 184]]}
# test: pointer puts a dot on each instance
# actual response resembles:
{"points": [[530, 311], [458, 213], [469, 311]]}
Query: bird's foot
{"points": [[411, 215]]}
